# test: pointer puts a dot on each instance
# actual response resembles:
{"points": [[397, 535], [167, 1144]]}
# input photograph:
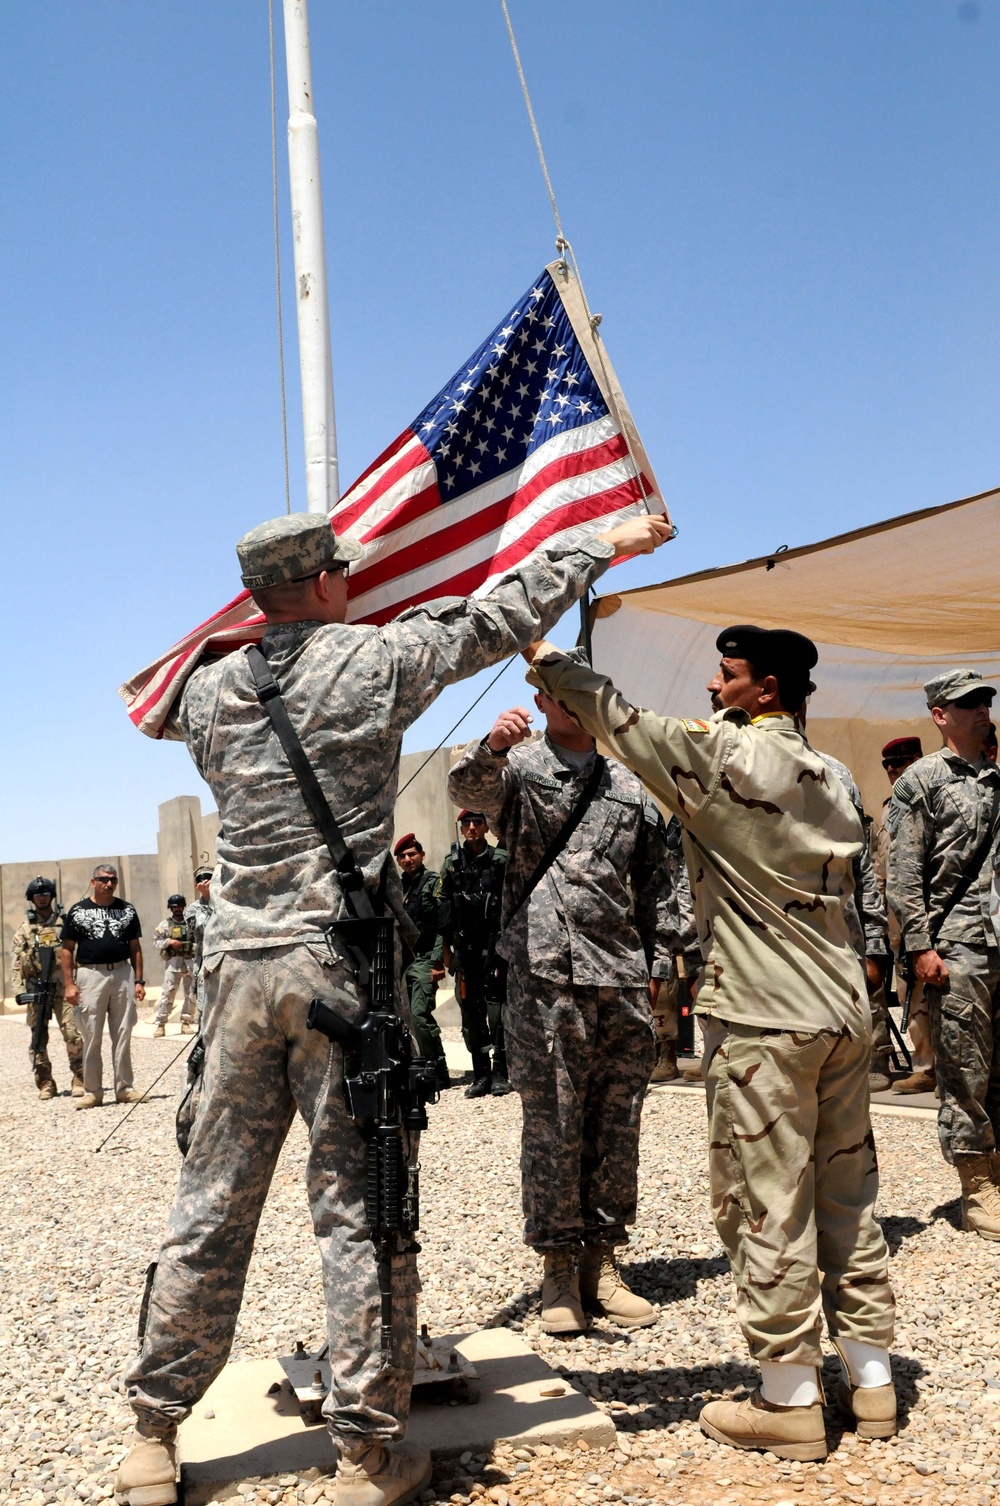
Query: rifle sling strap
{"points": [[973, 868], [563, 835], [349, 875]]}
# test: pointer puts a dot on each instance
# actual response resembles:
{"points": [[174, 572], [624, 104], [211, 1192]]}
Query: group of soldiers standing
{"points": [[777, 936]]}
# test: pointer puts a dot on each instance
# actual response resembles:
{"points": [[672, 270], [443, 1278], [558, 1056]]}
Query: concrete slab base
{"points": [[237, 1431]]}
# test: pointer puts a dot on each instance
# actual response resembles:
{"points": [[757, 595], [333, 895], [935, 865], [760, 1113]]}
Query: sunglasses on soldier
{"points": [[974, 700]]}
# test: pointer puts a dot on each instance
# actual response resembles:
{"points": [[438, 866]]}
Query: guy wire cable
{"points": [[186, 1047]]}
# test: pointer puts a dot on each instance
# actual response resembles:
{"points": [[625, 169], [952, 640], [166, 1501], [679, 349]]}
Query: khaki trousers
{"points": [[794, 1179], [106, 994]]}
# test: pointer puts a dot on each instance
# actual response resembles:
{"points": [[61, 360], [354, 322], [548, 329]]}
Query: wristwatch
{"points": [[493, 752], [140, 982]]}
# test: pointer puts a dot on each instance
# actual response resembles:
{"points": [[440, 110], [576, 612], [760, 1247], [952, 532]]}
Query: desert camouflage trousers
{"points": [[794, 1179], [177, 972], [261, 1065], [62, 1016], [965, 1033], [580, 1058]]}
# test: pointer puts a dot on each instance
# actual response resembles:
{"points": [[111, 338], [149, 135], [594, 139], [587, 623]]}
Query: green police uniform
{"points": [[471, 887], [421, 891]]}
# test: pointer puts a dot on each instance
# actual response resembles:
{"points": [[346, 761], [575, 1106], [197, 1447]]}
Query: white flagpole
{"points": [[311, 300]]}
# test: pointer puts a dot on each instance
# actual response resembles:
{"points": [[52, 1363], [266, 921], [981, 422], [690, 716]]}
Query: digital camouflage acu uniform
{"points": [[577, 1020], [869, 929], [178, 968], [773, 838], [197, 916], [29, 936], [684, 966], [919, 1029], [351, 693], [471, 890], [941, 811], [421, 897]]}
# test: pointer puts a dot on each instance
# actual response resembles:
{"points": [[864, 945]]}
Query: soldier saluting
{"points": [[771, 837], [471, 886]]}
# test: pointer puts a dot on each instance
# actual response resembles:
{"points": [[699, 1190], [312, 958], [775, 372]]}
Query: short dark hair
{"points": [[794, 684]]}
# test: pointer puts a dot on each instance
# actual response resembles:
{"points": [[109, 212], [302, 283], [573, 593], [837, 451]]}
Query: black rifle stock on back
{"points": [[42, 995], [387, 1089]]}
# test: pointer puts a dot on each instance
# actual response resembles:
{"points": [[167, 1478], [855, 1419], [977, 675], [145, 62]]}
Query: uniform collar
{"points": [[980, 769], [556, 753]]}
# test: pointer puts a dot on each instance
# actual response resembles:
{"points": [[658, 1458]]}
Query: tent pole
{"points": [[311, 299]]}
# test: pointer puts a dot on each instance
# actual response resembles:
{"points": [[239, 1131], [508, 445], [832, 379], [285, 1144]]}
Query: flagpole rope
{"points": [[563, 247], [503, 668], [277, 254]]}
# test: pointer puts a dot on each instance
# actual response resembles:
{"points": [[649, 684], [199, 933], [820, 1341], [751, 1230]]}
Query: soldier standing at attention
{"points": [[197, 916], [471, 889], [174, 940], [41, 928], [942, 823], [773, 837], [350, 691], [584, 924], [897, 756], [422, 967], [100, 938]]}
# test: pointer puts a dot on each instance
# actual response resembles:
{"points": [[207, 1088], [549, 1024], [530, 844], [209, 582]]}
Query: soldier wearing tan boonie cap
{"points": [[292, 548]]}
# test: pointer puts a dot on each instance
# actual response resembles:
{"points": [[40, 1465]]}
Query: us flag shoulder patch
{"points": [[695, 725]]}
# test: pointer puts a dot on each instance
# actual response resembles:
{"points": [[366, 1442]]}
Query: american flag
{"points": [[525, 446]]}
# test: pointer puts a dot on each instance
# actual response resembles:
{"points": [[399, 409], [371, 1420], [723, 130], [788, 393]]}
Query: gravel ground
{"points": [[79, 1230]]}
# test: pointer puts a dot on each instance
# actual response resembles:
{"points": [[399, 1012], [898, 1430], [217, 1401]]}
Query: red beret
{"points": [[464, 815], [410, 840], [903, 747]]}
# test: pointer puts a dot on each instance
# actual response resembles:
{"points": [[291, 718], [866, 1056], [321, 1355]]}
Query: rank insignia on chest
{"points": [[695, 725]]}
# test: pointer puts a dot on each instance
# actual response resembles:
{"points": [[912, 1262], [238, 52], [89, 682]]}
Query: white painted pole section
{"points": [[311, 300]]}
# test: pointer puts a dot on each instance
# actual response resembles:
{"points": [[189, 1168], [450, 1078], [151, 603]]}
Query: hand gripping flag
{"points": [[531, 443]]}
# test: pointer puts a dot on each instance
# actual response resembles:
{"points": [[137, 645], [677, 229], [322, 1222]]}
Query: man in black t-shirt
{"points": [[101, 935]]}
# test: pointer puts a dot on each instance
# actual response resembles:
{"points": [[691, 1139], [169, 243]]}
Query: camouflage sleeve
{"points": [[911, 832], [161, 939], [655, 911], [482, 782], [679, 761], [873, 904], [18, 952], [441, 642]]}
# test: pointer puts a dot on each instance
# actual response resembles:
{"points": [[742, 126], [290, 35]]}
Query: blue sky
{"points": [[786, 211]]}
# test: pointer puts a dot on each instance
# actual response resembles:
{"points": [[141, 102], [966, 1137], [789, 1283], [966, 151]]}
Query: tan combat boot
{"points": [[919, 1081], [380, 1474], [666, 1060], [128, 1095], [789, 1432], [147, 1476], [77, 1089], [604, 1291], [562, 1311], [160, 1030], [980, 1196], [872, 1407], [187, 1027], [48, 1089], [90, 1101]]}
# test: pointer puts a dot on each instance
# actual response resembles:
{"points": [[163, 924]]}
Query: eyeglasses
{"points": [[472, 821], [109, 883], [894, 763]]}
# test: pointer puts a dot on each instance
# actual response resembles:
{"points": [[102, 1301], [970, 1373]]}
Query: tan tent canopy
{"points": [[887, 606]]}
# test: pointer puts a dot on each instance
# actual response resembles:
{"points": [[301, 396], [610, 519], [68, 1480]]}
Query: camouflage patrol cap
{"points": [[953, 685], [291, 548], [200, 874]]}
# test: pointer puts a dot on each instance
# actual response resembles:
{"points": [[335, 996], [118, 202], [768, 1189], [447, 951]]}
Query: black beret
{"points": [[768, 649]]}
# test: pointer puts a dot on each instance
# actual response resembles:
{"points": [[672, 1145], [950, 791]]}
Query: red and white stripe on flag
{"points": [[530, 444]]}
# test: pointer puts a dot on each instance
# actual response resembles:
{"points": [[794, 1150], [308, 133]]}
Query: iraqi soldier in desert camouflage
{"points": [[41, 927], [351, 692], [174, 939], [943, 821], [774, 838], [580, 948]]}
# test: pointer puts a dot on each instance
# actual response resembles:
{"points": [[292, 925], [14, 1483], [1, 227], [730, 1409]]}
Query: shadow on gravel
{"points": [[950, 1212], [898, 1229], [672, 1280], [671, 1393]]}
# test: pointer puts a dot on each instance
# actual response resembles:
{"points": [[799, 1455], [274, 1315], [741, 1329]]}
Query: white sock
{"points": [[864, 1365], [785, 1385]]}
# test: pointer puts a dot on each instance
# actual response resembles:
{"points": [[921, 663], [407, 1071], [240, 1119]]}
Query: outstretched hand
{"points": [[509, 729], [639, 535]]}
